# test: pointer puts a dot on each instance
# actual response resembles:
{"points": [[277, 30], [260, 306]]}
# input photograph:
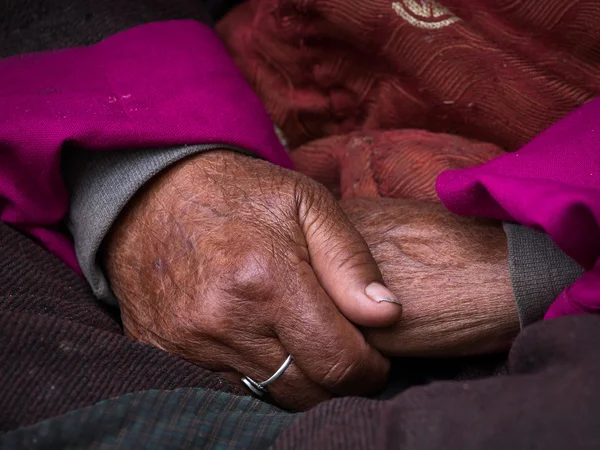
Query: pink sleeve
{"points": [[551, 185], [158, 85]]}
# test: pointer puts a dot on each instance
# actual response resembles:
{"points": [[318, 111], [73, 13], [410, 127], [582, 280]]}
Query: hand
{"points": [[234, 263], [450, 272]]}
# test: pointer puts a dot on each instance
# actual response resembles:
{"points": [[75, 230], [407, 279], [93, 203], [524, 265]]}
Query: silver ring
{"points": [[260, 389]]}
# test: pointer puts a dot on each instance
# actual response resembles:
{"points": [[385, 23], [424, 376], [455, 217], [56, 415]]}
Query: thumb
{"points": [[344, 265]]}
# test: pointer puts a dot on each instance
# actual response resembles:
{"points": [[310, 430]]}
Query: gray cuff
{"points": [[539, 271], [100, 185]]}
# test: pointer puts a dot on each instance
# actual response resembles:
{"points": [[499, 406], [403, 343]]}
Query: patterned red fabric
{"points": [[498, 71], [396, 163]]}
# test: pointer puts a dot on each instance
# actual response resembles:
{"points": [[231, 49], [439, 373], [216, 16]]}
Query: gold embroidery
{"points": [[424, 13]]}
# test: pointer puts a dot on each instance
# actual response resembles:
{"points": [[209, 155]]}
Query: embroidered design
{"points": [[426, 14]]}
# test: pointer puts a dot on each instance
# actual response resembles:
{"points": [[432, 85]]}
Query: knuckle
{"points": [[251, 275], [347, 370]]}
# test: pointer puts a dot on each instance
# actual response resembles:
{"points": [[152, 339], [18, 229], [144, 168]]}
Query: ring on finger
{"points": [[260, 389]]}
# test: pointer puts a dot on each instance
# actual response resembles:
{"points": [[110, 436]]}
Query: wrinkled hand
{"points": [[451, 274], [234, 263]]}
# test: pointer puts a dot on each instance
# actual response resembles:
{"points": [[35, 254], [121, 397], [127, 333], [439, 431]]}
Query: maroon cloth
{"points": [[393, 163], [497, 71]]}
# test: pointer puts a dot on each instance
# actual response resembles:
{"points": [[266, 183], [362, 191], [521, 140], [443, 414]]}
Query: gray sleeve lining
{"points": [[100, 185], [539, 271]]}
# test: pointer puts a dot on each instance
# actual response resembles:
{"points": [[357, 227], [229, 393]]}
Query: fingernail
{"points": [[379, 293]]}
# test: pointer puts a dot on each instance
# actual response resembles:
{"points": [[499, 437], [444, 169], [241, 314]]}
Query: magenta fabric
{"points": [[157, 85], [553, 185]]}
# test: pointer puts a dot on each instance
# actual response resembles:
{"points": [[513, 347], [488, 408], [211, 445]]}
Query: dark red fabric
{"points": [[498, 71], [395, 163]]}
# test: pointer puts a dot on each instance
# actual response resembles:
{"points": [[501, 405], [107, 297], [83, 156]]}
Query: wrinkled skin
{"points": [[450, 272], [234, 263]]}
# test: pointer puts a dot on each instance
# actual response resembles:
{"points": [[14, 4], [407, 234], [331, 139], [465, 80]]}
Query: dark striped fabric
{"points": [[60, 349], [549, 401], [179, 419]]}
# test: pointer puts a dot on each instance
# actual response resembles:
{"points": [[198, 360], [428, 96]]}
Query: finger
{"points": [[326, 347], [292, 390], [344, 265]]}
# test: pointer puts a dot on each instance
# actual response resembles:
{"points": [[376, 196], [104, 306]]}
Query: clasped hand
{"points": [[234, 264]]}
